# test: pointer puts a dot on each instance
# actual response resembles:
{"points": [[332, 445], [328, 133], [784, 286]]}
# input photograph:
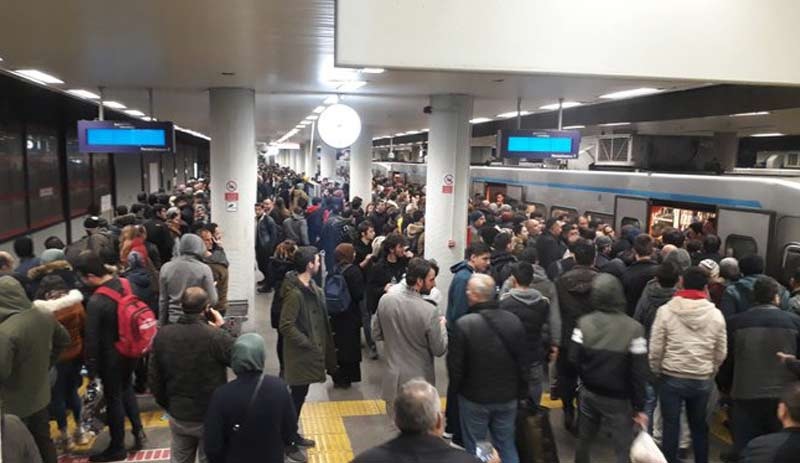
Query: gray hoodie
{"points": [[653, 297], [547, 289], [184, 271]]}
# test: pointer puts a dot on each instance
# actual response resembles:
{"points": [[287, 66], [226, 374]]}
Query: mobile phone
{"points": [[484, 451]]}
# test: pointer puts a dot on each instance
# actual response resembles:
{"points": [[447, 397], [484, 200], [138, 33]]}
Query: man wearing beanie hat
{"points": [[188, 363], [255, 411], [96, 240], [716, 284], [476, 221]]}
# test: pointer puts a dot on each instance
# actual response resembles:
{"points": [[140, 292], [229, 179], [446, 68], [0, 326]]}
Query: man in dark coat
{"points": [[782, 446], [189, 359], [501, 258], [347, 325], [549, 246], [639, 272], [266, 240], [417, 413]]}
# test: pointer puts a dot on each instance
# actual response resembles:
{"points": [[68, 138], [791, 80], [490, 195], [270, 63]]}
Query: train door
{"points": [[630, 210], [745, 232], [787, 243]]}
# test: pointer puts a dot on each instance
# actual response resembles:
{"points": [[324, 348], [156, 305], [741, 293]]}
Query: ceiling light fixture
{"points": [[134, 112], [565, 105], [630, 93], [312, 117], [318, 109], [412, 132], [333, 99], [148, 119], [38, 76], [425, 130], [615, 124], [512, 114], [83, 94], [768, 134], [373, 70], [399, 134], [479, 120], [754, 113], [574, 127], [350, 86], [114, 105]]}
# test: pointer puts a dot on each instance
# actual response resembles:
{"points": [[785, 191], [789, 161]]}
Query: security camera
{"points": [[427, 110]]}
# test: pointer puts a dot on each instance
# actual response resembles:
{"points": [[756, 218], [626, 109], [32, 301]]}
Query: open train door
{"points": [[745, 232], [630, 210]]}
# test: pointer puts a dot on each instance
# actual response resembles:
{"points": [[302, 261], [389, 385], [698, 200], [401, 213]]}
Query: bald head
{"points": [[481, 288], [667, 249], [194, 300]]}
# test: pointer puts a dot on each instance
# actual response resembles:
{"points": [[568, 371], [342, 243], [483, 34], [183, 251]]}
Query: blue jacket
{"points": [[457, 304], [737, 296]]}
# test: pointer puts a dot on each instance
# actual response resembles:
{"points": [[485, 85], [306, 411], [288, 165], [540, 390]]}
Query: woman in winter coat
{"points": [[143, 280], [54, 262], [132, 239], [280, 264], [55, 297], [347, 325]]}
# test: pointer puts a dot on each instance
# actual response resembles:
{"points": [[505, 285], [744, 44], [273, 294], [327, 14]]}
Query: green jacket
{"points": [[308, 349], [30, 342]]}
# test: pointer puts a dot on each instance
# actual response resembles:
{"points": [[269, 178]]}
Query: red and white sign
{"points": [[231, 186], [231, 196], [448, 181]]}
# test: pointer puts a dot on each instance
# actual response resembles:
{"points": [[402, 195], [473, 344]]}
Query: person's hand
{"points": [[785, 357], [451, 243], [409, 254], [495, 457], [216, 317], [641, 419], [442, 321]]}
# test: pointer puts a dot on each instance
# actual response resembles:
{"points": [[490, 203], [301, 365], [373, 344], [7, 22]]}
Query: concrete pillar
{"points": [[726, 149], [361, 166], [233, 164], [448, 164], [327, 162], [293, 160], [310, 157]]}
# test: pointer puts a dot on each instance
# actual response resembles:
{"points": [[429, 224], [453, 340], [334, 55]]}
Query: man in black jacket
{"points": [[783, 446], [501, 258], [418, 415], [157, 231], [549, 245], [640, 272], [610, 353], [103, 360], [486, 367], [533, 310], [189, 359]]}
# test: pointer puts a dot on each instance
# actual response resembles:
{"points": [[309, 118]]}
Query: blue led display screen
{"points": [[126, 137], [540, 145]]}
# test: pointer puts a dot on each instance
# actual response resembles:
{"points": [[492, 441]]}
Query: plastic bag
{"points": [[93, 413], [645, 450]]}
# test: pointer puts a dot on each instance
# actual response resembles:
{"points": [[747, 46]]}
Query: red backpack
{"points": [[136, 323]]}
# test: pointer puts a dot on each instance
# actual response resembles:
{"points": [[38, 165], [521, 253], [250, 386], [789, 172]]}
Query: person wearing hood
{"points": [[610, 353], [251, 418], [17, 442], [184, 271], [688, 344], [188, 362], [657, 293], [533, 310], [501, 258], [486, 364], [144, 283], [295, 227], [738, 296], [55, 297], [30, 342], [308, 347], [574, 289], [53, 262]]}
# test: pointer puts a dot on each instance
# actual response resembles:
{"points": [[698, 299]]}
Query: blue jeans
{"points": [[65, 393], [498, 420], [535, 376], [673, 393], [650, 402]]}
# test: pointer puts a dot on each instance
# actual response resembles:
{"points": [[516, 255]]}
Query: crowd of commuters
{"points": [[631, 330]]}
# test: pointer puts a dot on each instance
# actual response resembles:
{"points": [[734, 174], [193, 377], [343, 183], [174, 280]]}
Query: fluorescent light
{"points": [[114, 105], [754, 113], [574, 127], [333, 99], [192, 132], [83, 94], [425, 130], [351, 86], [148, 119], [312, 117], [615, 124], [318, 109], [565, 105], [770, 134], [630, 93], [38, 76], [373, 70], [399, 134], [512, 114], [479, 120], [412, 132], [134, 112]]}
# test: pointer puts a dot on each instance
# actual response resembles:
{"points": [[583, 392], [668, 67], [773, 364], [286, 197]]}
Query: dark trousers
{"points": [[64, 394], [279, 350], [120, 401], [366, 322], [39, 426], [597, 410], [673, 393], [299, 394], [567, 382], [453, 417], [753, 418]]}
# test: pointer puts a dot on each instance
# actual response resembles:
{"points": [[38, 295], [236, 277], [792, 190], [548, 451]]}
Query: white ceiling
{"points": [[282, 49]]}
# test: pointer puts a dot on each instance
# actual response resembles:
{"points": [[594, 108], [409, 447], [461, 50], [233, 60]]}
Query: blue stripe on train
{"points": [[729, 202]]}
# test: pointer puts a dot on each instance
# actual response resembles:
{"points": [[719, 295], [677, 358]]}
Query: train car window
{"points": [[79, 176], [514, 192], [536, 208], [12, 184], [631, 221], [44, 177], [478, 188], [600, 217], [739, 246], [668, 214], [791, 261], [558, 211]]}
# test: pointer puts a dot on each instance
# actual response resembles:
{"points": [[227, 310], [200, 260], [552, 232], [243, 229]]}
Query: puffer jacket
{"points": [[653, 297], [574, 289], [61, 268], [688, 339], [533, 310], [308, 348], [69, 311]]}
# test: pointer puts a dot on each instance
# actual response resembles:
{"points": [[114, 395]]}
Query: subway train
{"points": [[752, 214]]}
